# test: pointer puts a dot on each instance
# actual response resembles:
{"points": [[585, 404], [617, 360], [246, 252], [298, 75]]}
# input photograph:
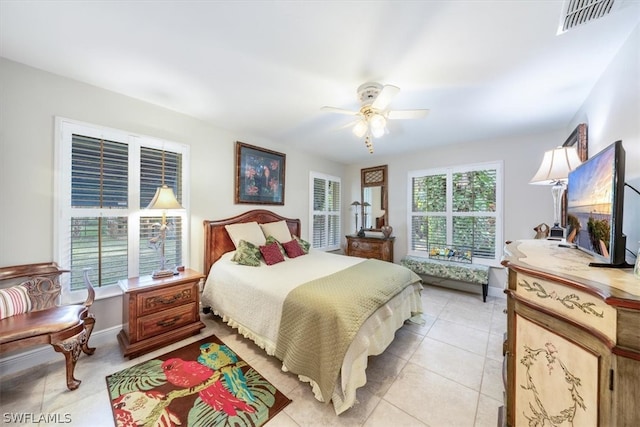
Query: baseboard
{"points": [[40, 355]]}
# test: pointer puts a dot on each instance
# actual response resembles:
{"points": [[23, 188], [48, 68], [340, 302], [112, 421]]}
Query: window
{"points": [[458, 206], [106, 179], [325, 212]]}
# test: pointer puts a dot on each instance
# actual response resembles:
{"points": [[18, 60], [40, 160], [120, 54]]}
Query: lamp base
{"points": [[556, 233], [162, 273]]}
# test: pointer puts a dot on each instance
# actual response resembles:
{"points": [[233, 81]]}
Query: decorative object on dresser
{"points": [[542, 231], [203, 383], [164, 199], [573, 350], [31, 316], [386, 231], [158, 312], [370, 247], [260, 175], [554, 170]]}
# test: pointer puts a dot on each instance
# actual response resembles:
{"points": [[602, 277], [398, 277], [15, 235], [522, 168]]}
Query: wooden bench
{"points": [[66, 327], [460, 271]]}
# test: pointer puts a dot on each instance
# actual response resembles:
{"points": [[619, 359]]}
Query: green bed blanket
{"points": [[321, 318]]}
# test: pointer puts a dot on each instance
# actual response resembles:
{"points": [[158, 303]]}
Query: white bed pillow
{"points": [[249, 231], [278, 230]]}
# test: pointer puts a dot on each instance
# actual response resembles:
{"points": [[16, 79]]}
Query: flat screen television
{"points": [[595, 193]]}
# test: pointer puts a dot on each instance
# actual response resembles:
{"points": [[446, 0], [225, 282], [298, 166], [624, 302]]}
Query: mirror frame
{"points": [[375, 176]]}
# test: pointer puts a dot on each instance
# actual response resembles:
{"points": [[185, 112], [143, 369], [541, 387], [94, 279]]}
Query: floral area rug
{"points": [[201, 384]]}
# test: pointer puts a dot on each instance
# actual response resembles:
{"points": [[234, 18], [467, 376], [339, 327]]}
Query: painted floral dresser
{"points": [[572, 350]]}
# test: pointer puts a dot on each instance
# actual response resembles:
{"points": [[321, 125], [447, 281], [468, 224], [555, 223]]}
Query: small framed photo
{"points": [[259, 175]]}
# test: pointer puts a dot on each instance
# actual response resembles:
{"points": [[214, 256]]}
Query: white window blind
{"points": [[459, 206], [105, 180], [325, 218]]}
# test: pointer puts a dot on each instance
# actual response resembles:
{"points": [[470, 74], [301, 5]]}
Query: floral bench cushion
{"points": [[464, 272]]}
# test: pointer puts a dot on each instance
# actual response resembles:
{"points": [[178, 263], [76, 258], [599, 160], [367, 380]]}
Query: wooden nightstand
{"points": [[158, 312], [370, 247]]}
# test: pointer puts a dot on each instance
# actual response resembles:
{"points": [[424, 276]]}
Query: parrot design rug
{"points": [[201, 384]]}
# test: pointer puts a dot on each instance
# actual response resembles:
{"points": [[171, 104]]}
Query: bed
{"points": [[293, 309]]}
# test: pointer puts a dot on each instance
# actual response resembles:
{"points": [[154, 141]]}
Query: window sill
{"points": [[78, 297]]}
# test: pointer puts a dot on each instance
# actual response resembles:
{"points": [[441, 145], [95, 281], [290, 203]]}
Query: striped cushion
{"points": [[14, 300]]}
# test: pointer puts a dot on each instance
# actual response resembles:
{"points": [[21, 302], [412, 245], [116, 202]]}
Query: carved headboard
{"points": [[217, 241]]}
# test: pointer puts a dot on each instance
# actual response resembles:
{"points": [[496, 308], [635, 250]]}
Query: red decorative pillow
{"points": [[293, 248], [271, 254]]}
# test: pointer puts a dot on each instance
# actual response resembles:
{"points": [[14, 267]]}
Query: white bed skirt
{"points": [[374, 337]]}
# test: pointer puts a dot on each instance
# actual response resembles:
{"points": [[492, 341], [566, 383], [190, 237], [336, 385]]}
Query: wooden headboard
{"points": [[217, 241]]}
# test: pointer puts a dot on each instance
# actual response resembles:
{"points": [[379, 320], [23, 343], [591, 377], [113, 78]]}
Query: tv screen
{"points": [[594, 205]]}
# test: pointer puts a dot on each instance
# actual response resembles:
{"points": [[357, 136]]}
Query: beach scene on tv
{"points": [[590, 204]]}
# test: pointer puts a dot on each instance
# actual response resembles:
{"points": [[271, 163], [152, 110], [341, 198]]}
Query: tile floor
{"points": [[446, 372]]}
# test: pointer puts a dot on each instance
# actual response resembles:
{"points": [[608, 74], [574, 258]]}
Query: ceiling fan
{"points": [[374, 111]]}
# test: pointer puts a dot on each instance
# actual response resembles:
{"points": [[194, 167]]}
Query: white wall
{"points": [[30, 101]]}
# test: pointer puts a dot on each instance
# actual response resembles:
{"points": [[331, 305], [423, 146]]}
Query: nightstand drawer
{"points": [[163, 299], [166, 320]]}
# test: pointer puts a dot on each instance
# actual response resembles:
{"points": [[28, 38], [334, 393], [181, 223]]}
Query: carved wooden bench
{"points": [[39, 318]]}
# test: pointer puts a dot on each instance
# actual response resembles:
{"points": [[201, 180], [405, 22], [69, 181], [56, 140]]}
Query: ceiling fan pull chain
{"points": [[368, 143]]}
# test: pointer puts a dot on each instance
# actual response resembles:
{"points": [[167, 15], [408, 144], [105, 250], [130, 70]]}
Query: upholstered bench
{"points": [[29, 314], [460, 271]]}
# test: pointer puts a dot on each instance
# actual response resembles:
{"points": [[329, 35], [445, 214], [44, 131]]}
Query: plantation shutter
{"points": [[159, 167], [325, 218], [99, 186], [456, 206]]}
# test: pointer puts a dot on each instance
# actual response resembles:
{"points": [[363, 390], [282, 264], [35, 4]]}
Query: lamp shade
{"points": [[556, 165], [360, 129], [164, 199], [356, 203]]}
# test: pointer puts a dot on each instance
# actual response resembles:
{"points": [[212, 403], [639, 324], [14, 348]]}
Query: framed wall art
{"points": [[260, 175]]}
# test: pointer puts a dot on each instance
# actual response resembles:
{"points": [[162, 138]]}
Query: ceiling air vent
{"points": [[579, 12]]}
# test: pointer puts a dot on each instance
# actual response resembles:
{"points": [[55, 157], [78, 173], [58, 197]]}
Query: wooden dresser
{"points": [[370, 247], [572, 352], [158, 312]]}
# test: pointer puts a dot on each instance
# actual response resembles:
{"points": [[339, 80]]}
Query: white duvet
{"points": [[251, 298]]}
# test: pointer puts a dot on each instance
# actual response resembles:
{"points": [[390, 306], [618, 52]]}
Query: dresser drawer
{"points": [[166, 320], [569, 303], [363, 247], [163, 299]]}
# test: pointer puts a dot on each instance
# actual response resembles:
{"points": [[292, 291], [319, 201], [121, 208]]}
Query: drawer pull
{"points": [[150, 302], [166, 323]]}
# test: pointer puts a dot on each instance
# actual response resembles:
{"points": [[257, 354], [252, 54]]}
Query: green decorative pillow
{"points": [[303, 244], [247, 254], [271, 240]]}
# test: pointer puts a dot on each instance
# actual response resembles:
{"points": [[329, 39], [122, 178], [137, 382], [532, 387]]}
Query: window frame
{"points": [[498, 165], [64, 130], [326, 213]]}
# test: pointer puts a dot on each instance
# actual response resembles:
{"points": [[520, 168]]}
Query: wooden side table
{"points": [[158, 312], [370, 247]]}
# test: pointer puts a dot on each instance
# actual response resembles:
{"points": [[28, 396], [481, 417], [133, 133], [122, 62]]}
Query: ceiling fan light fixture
{"points": [[360, 128], [377, 132], [377, 121]]}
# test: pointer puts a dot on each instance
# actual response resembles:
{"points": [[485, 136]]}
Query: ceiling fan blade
{"points": [[407, 114], [384, 97], [340, 111]]}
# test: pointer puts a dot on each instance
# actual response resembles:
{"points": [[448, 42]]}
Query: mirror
{"points": [[373, 185]]}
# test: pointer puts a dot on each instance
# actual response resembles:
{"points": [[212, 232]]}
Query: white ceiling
{"points": [[486, 69]]}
